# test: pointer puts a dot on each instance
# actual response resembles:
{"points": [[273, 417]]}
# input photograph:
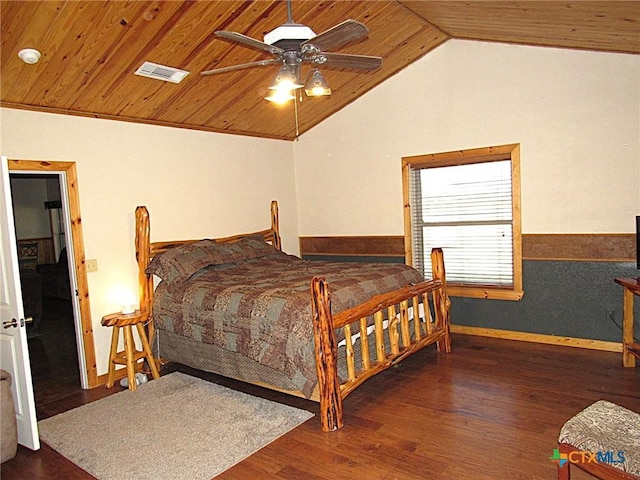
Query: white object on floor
{"points": [[140, 379]]}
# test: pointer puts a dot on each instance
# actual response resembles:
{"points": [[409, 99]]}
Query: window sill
{"points": [[484, 292]]}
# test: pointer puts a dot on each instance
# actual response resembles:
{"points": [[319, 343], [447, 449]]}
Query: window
{"points": [[468, 203]]}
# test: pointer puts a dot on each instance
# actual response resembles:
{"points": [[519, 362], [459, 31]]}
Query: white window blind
{"points": [[467, 211]]}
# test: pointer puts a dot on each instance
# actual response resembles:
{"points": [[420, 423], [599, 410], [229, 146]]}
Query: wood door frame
{"points": [[69, 169]]}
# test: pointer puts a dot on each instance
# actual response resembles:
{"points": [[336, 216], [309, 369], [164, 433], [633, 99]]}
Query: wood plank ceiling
{"points": [[90, 50]]}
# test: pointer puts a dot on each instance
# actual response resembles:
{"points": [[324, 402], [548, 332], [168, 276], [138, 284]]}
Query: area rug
{"points": [[174, 427]]}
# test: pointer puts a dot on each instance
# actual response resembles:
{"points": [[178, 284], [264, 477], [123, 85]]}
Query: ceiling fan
{"points": [[293, 44]]}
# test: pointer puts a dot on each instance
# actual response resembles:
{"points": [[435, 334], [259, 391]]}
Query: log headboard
{"points": [[145, 251]]}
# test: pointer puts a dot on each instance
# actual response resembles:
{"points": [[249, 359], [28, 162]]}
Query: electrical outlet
{"points": [[92, 265]]}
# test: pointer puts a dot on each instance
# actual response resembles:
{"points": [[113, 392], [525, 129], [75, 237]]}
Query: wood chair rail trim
{"points": [[585, 247]]}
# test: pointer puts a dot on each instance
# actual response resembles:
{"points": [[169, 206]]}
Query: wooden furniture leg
{"points": [[630, 349], [442, 301], [113, 352], [129, 349], [326, 355], [564, 471], [130, 355], [146, 348], [628, 359]]}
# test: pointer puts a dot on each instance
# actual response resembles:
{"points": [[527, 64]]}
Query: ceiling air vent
{"points": [[161, 72]]}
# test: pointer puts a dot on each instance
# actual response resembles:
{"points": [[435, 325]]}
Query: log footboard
{"points": [[400, 323]]}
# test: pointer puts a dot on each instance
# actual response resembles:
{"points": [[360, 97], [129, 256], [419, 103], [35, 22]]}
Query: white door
{"points": [[13, 334]]}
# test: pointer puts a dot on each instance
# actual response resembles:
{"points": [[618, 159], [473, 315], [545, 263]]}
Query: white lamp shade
{"points": [[286, 79], [317, 86], [280, 96]]}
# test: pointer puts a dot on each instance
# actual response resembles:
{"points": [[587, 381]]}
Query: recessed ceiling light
{"points": [[29, 55]]}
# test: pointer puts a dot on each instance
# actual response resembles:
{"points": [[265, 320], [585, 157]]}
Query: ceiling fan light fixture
{"points": [[317, 86], [289, 31], [280, 97], [286, 79], [292, 45]]}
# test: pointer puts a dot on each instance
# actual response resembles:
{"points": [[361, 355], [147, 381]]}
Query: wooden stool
{"points": [[603, 440], [130, 355]]}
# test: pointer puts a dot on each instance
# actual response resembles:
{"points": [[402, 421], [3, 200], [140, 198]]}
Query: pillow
{"points": [[180, 263], [250, 247]]}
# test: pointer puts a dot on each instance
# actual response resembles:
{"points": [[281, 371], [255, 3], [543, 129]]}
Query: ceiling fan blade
{"points": [[249, 42], [242, 66], [344, 60], [337, 36]]}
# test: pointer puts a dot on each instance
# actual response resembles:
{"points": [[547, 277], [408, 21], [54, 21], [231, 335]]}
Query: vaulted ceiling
{"points": [[91, 49]]}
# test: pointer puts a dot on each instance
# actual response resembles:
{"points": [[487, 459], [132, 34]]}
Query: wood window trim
{"points": [[464, 157]]}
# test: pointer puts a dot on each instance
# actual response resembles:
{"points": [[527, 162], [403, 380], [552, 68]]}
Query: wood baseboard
{"points": [[539, 338]]}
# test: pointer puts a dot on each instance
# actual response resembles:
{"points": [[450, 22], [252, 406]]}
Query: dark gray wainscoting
{"points": [[564, 298]]}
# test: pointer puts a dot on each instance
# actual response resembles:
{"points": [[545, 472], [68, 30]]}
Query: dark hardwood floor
{"points": [[492, 409], [53, 354]]}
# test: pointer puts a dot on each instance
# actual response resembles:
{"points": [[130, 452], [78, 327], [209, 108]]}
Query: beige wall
{"points": [[576, 115], [195, 184], [29, 195]]}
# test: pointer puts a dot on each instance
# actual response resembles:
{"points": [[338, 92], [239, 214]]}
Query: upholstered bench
{"points": [[8, 427], [603, 440]]}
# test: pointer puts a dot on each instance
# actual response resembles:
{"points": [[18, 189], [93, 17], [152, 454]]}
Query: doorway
{"points": [[46, 285], [63, 349]]}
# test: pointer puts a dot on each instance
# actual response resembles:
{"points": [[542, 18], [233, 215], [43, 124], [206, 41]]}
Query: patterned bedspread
{"points": [[261, 307]]}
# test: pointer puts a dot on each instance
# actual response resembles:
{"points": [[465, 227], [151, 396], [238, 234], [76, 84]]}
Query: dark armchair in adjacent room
{"points": [[31, 284], [55, 278], [30, 281]]}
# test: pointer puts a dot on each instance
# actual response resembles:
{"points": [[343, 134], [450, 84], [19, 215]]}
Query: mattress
{"points": [[260, 307]]}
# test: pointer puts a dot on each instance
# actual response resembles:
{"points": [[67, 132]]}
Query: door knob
{"points": [[13, 323]]}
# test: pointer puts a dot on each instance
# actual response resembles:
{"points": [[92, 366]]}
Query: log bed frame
{"points": [[403, 335]]}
